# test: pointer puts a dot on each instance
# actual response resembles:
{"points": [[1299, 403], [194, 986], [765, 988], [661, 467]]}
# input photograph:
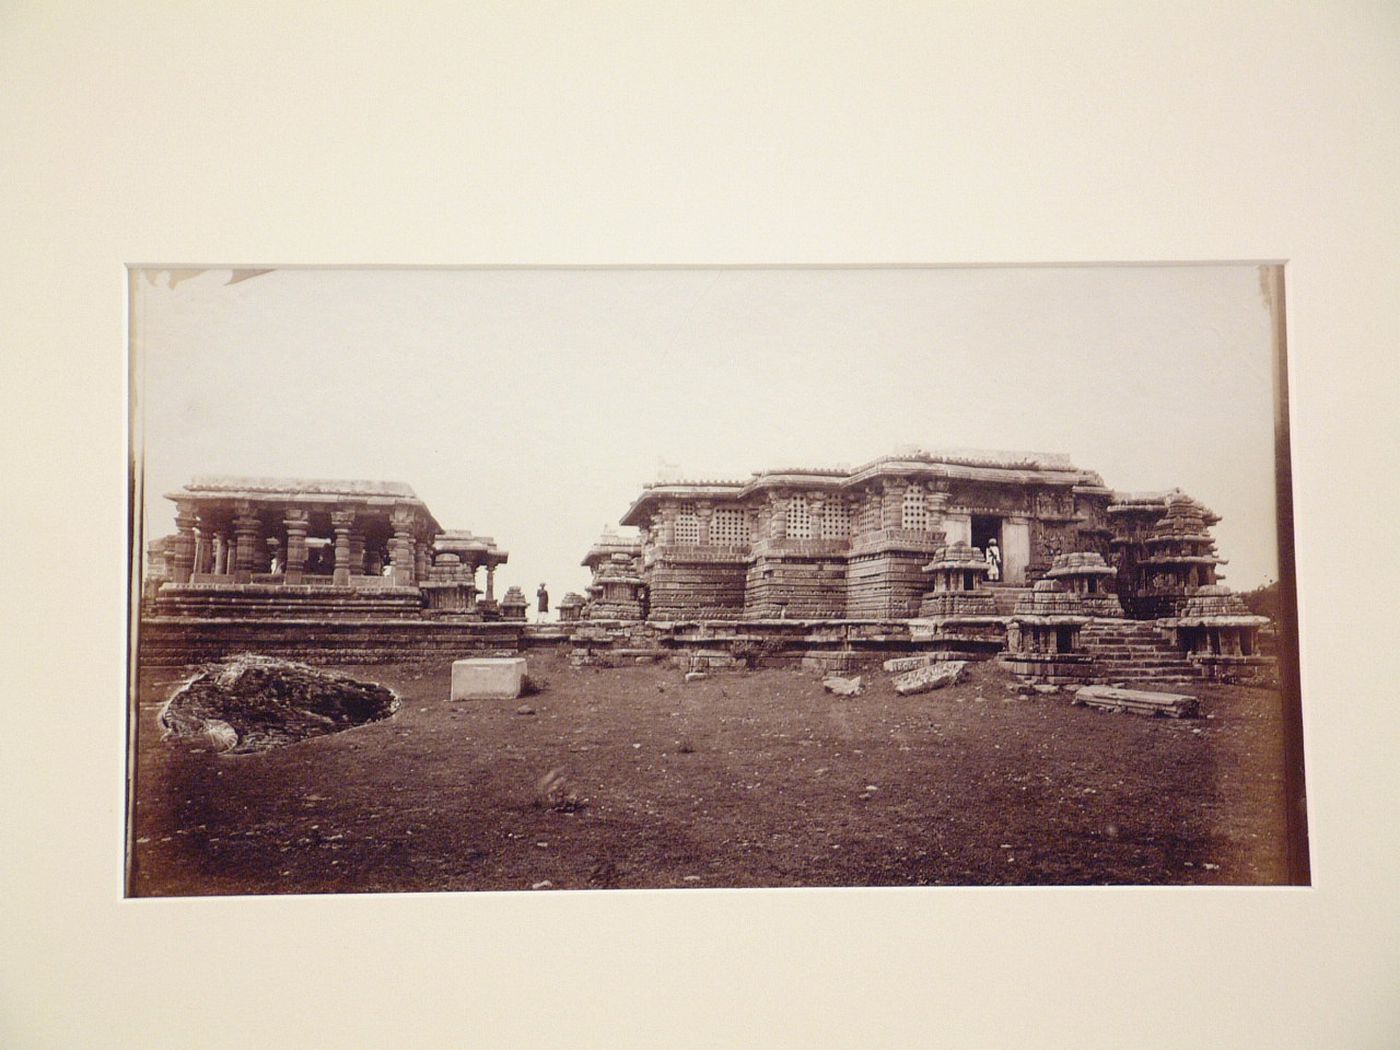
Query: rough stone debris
{"points": [[844, 686], [1137, 701], [924, 679], [252, 703], [488, 678], [695, 676], [911, 663]]}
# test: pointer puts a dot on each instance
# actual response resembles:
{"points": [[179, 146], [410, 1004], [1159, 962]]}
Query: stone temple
{"points": [[1020, 553], [313, 568], [821, 544], [1022, 557]]}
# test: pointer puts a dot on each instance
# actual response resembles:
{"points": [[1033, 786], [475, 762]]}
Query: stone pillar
{"points": [[816, 506], [220, 554], [420, 560], [183, 548], [937, 509], [246, 531], [704, 512], [357, 551], [490, 581], [341, 520], [201, 548], [667, 531], [296, 524], [401, 546], [777, 518], [891, 504], [1015, 550]]}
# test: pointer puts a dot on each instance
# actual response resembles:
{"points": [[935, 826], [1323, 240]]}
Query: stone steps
{"points": [[1134, 650]]}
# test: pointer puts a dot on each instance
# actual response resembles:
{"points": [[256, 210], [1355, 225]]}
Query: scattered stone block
{"points": [[844, 686], [488, 678], [1137, 701], [912, 663], [695, 676], [924, 679]]}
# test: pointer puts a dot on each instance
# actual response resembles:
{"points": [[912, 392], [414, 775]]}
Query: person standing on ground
{"points": [[543, 596]]}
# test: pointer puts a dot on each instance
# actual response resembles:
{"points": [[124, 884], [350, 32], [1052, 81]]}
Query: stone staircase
{"points": [[1134, 651], [1006, 597]]}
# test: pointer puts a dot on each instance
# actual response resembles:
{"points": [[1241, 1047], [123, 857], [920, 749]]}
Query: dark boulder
{"points": [[266, 702]]}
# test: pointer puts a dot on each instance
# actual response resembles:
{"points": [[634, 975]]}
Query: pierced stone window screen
{"points": [[799, 519], [915, 510], [836, 521], [729, 528], [687, 529]]}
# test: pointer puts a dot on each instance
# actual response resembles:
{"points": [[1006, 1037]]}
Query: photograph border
{"points": [[802, 134]]}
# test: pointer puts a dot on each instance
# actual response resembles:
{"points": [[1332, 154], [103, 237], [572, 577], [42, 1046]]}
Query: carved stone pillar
{"points": [[490, 581], [937, 508], [892, 504], [296, 524], [777, 519], [420, 560], [817, 504], [247, 531], [203, 542], [357, 551], [401, 546], [183, 548], [667, 529], [341, 520], [704, 512]]}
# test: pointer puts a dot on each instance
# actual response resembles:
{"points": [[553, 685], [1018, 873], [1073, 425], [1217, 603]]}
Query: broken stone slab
{"points": [[924, 679], [488, 678], [695, 676], [1137, 701], [843, 686], [913, 663]]}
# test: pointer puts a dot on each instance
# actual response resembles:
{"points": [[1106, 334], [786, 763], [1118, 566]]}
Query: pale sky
{"points": [[531, 405]]}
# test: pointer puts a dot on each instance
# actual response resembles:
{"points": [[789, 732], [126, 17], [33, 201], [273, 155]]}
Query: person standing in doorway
{"points": [[993, 561]]}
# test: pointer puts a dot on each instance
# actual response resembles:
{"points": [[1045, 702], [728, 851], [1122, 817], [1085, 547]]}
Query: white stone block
{"points": [[488, 678]]}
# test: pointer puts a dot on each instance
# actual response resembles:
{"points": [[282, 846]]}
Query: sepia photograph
{"points": [[684, 578], [627, 525]]}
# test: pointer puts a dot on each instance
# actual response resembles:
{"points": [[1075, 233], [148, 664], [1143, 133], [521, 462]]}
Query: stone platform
{"points": [[183, 640]]}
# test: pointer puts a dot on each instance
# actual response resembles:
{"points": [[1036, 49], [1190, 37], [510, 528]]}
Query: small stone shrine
{"points": [[1087, 575], [1220, 636], [1042, 637], [957, 573], [617, 591], [571, 607], [513, 605], [1161, 563]]}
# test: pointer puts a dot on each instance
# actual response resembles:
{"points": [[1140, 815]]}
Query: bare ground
{"points": [[743, 779]]}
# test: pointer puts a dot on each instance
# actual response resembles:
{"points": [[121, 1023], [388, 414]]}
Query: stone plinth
{"points": [[488, 678]]}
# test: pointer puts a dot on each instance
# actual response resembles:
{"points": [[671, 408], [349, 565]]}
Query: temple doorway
{"points": [[986, 528]]}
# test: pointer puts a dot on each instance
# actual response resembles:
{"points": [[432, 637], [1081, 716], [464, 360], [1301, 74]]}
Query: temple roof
{"points": [[224, 484], [610, 543], [1041, 468], [322, 493]]}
